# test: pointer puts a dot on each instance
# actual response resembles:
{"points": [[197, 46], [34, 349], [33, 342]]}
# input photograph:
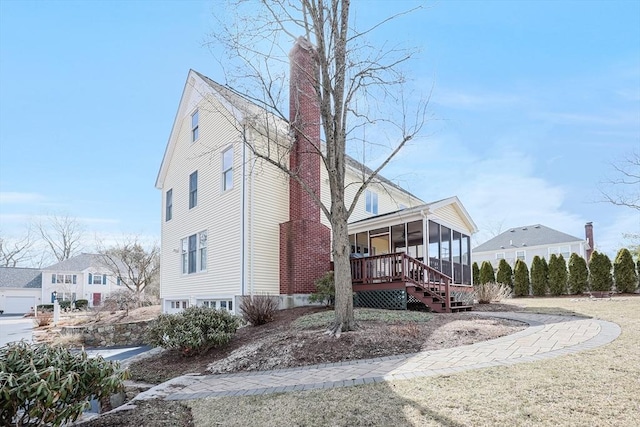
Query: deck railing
{"points": [[400, 267]]}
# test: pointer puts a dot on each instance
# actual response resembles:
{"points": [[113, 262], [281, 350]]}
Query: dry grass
{"points": [[598, 387]]}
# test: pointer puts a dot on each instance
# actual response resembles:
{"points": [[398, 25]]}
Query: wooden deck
{"points": [[400, 271]]}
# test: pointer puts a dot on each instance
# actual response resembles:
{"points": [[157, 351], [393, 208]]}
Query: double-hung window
{"points": [[195, 121], [202, 249], [97, 279], [521, 255], [371, 202], [194, 253], [168, 205], [193, 190], [64, 278], [227, 169]]}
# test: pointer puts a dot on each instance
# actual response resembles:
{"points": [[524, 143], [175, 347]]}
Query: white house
{"points": [[235, 225], [20, 289], [84, 276], [526, 242]]}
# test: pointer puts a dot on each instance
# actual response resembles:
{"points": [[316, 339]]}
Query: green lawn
{"points": [[600, 387]]}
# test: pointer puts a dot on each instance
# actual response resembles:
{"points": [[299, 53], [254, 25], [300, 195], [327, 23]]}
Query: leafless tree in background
{"points": [[624, 188], [358, 86], [136, 267], [16, 252], [62, 234]]}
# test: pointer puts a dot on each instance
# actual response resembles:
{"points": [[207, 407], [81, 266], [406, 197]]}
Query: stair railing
{"points": [[401, 267]]}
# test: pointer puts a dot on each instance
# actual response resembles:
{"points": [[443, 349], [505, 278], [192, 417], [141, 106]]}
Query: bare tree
{"points": [[16, 252], [63, 234], [624, 188], [355, 85], [136, 267]]}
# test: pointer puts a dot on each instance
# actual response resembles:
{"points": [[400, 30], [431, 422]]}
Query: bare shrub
{"points": [[44, 319], [120, 300], [491, 292], [259, 309]]}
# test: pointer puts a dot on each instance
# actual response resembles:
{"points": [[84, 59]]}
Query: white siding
{"points": [[530, 252], [450, 217], [268, 208], [216, 212], [390, 199]]}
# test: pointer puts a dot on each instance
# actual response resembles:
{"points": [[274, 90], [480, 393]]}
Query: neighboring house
{"points": [[235, 225], [20, 289], [526, 242], [84, 276]]}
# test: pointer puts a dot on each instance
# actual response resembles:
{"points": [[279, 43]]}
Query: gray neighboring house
{"points": [[526, 242], [20, 289]]}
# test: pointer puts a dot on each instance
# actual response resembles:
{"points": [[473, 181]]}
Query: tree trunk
{"points": [[344, 317]]}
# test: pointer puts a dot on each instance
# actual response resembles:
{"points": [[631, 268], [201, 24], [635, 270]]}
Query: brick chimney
{"points": [[305, 243], [588, 233]]}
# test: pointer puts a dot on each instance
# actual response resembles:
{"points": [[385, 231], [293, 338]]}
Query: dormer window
{"points": [[194, 126]]}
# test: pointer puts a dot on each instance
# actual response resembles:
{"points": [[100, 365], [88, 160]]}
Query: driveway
{"points": [[15, 328]]}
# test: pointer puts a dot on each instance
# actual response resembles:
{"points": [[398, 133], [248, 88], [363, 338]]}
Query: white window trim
{"points": [[500, 257], [524, 255], [216, 303], [228, 169], [195, 129], [168, 207], [184, 251], [369, 194], [192, 191]]}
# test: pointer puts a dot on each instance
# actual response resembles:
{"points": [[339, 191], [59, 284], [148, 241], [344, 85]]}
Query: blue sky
{"points": [[532, 101]]}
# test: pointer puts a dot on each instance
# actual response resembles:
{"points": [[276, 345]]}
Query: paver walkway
{"points": [[547, 336]]}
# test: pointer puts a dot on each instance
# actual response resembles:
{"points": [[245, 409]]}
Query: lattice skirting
{"points": [[390, 300]]}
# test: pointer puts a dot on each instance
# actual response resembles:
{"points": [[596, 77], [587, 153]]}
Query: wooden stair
{"points": [[401, 271], [436, 300]]}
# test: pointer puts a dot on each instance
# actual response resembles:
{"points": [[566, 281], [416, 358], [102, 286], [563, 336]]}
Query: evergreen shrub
{"points": [[600, 279], [539, 277], [486, 273], [624, 272], [557, 275], [505, 273], [521, 279], [193, 331], [578, 278], [45, 385], [475, 271], [325, 290]]}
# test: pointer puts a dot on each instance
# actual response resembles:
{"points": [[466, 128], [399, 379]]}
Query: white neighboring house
{"points": [[234, 225], [84, 276], [20, 289], [526, 242]]}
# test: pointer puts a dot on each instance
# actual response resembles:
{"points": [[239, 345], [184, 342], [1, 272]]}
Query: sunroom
{"points": [[417, 250]]}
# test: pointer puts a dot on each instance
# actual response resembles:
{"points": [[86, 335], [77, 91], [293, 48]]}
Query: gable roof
{"points": [[428, 208], [243, 107], [528, 235], [78, 263], [14, 277]]}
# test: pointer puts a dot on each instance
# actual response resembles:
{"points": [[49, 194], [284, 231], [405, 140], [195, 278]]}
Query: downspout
{"points": [[243, 234], [251, 230]]}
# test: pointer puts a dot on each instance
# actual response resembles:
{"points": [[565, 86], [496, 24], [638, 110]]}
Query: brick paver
{"points": [[547, 336]]}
